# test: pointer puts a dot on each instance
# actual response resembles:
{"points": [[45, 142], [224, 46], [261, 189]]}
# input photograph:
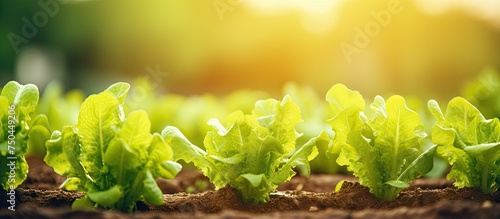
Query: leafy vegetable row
{"points": [[183, 112], [112, 155]]}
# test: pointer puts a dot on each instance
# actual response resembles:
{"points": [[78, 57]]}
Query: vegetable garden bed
{"points": [[110, 163], [39, 197]]}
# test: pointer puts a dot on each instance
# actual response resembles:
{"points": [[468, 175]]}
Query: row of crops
{"points": [[114, 145]]}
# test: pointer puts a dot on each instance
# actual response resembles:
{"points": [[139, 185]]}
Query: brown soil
{"points": [[41, 176], [39, 197]]}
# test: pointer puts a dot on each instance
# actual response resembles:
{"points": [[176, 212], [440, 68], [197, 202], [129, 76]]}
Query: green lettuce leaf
{"points": [[470, 142], [251, 153], [18, 131], [119, 90], [97, 121], [382, 151], [38, 134], [114, 159], [160, 159], [107, 198]]}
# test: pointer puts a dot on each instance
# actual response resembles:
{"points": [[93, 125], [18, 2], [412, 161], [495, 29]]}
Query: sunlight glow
{"points": [[310, 7], [317, 15], [484, 9], [320, 15]]}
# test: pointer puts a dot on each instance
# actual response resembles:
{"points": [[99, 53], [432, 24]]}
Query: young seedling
{"points": [[470, 142], [251, 153], [384, 151], [113, 159]]}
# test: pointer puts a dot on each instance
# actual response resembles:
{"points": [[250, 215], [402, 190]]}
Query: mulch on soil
{"points": [[39, 197]]}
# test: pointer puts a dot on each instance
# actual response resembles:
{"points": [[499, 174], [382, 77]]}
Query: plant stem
{"points": [[486, 170]]}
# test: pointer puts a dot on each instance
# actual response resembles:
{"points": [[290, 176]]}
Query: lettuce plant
{"points": [[384, 151], [251, 153], [18, 131], [112, 158], [470, 142]]}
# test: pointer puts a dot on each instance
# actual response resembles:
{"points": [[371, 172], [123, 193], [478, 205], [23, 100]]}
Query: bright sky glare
{"points": [[485, 9]]}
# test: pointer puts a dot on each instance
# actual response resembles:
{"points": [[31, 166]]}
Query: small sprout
{"points": [[199, 186], [339, 185]]}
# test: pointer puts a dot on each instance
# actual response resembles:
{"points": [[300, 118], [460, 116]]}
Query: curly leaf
{"points": [[24, 97], [398, 130], [251, 153], [112, 158], [346, 106], [128, 147], [383, 151], [160, 159], [184, 150], [17, 103], [64, 154], [470, 142], [38, 134], [98, 117], [280, 118], [252, 188], [300, 158], [119, 90]]}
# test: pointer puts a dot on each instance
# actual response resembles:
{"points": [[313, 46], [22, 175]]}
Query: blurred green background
{"points": [[192, 47]]}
